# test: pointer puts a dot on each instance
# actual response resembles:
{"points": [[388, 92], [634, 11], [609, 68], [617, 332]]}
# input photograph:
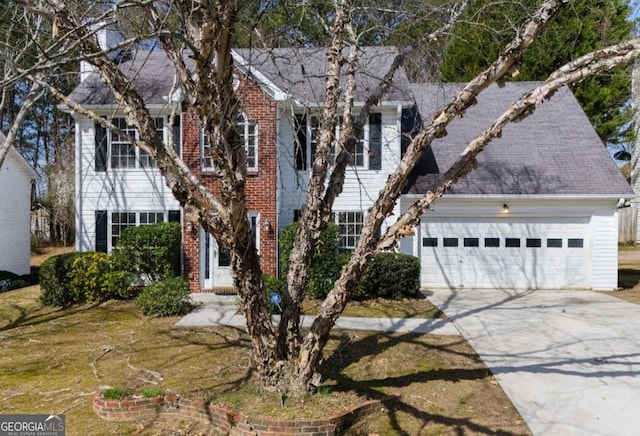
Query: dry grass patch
{"points": [[628, 274], [381, 308], [54, 360]]}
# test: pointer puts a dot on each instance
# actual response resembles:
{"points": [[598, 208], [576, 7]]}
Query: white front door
{"points": [[215, 264]]}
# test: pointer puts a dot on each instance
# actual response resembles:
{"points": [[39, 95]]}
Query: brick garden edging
{"points": [[236, 424]]}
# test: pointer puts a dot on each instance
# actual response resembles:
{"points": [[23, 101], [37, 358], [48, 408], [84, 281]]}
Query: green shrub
{"points": [[96, 277], [35, 245], [114, 394], [152, 391], [8, 275], [150, 252], [392, 276], [326, 263], [55, 278], [166, 297]]}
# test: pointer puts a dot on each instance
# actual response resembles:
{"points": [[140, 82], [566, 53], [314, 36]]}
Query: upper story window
{"points": [[248, 131], [367, 152], [116, 151]]}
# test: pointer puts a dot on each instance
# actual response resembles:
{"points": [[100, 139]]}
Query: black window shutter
{"points": [[174, 216], [177, 134], [101, 148], [101, 231], [375, 141], [301, 142]]}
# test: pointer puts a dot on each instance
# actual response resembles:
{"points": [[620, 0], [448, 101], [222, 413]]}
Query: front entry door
{"points": [[215, 264]]}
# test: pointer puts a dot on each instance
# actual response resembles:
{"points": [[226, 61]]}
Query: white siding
{"points": [[604, 250], [592, 266], [118, 190], [15, 221], [361, 186]]}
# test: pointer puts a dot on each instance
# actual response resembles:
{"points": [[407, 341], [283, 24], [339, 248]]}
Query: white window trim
{"points": [[110, 246], [137, 150], [364, 141], [245, 138], [356, 235]]}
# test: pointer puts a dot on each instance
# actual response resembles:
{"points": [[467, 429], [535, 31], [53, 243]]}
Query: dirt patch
{"points": [[46, 252], [628, 275]]}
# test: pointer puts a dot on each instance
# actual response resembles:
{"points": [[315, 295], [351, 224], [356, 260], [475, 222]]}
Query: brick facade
{"points": [[260, 186]]}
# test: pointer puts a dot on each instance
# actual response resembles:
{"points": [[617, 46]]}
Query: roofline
{"points": [[23, 162], [277, 93], [115, 108], [529, 196], [358, 104]]}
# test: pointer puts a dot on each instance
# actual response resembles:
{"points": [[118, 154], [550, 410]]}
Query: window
{"points": [[492, 242], [146, 161], [534, 242], [357, 157], [450, 242], [429, 242], [471, 242], [575, 243], [367, 152], [123, 220], [350, 227], [147, 218], [119, 222], [512, 242], [248, 131], [554, 243], [123, 152], [117, 151]]}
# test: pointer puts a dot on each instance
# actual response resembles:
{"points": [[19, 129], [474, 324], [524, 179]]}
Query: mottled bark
{"points": [[284, 359], [337, 299]]}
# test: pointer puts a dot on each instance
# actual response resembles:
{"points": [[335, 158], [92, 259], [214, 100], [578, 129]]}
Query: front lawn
{"points": [[54, 360]]}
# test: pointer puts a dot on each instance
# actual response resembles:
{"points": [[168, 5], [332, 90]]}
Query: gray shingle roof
{"points": [[301, 72], [152, 75], [555, 151], [298, 72]]}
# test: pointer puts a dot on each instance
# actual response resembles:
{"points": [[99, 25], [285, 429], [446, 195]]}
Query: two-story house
{"points": [[539, 212]]}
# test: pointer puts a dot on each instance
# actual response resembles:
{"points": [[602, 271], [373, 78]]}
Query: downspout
{"points": [[78, 188], [278, 190]]}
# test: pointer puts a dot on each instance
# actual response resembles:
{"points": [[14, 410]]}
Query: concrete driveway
{"points": [[568, 360]]}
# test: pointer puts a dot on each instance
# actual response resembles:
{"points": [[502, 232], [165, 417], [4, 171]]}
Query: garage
{"points": [[539, 210], [513, 253]]}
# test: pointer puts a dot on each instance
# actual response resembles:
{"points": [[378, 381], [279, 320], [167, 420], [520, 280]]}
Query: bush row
{"points": [[388, 275], [152, 254], [148, 253]]}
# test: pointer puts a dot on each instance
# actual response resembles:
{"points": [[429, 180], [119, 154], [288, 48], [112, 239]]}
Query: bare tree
{"points": [[284, 358]]}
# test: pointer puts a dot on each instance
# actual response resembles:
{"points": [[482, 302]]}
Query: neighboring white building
{"points": [[540, 211], [16, 176]]}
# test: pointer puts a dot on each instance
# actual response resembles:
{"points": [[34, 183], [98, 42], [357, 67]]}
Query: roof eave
{"points": [[271, 88], [627, 195]]}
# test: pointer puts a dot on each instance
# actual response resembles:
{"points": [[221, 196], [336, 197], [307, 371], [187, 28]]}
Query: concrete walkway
{"points": [[568, 360], [222, 310]]}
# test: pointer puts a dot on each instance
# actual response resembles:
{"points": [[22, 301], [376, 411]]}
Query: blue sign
{"points": [[276, 299]]}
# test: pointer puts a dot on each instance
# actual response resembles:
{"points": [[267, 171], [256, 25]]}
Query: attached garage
{"points": [[523, 243], [505, 253], [540, 211]]}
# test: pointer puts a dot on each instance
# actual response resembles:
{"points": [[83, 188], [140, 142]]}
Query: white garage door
{"points": [[507, 253]]}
